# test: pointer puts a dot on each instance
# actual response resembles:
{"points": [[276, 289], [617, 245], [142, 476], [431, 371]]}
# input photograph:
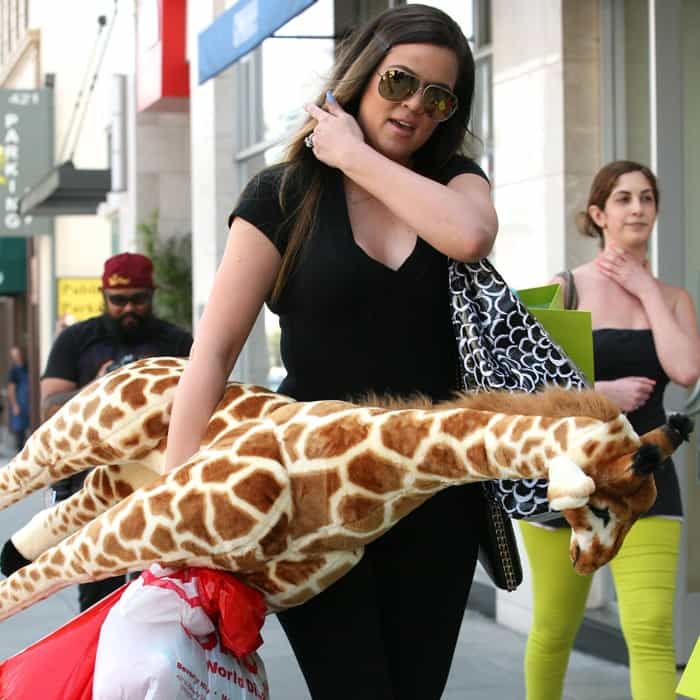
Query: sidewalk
{"points": [[487, 663]]}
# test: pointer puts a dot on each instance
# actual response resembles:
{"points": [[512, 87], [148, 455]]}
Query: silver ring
{"points": [[309, 140]]}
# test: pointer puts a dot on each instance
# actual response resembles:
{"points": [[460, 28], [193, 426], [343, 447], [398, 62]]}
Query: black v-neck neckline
{"points": [[359, 250]]}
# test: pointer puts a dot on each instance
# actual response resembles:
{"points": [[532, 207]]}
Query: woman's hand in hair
{"points": [[336, 134], [628, 272]]}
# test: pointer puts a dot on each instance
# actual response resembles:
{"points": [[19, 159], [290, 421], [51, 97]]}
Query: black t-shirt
{"points": [[349, 323], [81, 349]]}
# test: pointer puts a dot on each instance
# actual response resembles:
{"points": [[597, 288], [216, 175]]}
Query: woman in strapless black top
{"points": [[645, 334]]}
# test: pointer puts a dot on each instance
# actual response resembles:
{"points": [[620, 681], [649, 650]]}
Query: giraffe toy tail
{"points": [[122, 417]]}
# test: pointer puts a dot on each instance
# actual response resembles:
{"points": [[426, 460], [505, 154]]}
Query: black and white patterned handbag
{"points": [[502, 346]]}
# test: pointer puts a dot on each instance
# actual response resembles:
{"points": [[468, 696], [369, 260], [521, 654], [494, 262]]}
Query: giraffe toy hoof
{"points": [[11, 560], [569, 487]]}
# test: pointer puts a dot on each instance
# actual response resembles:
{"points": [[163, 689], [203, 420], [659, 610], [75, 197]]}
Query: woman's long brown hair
{"points": [[358, 58]]}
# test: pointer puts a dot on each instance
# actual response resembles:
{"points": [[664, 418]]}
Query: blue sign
{"points": [[240, 29]]}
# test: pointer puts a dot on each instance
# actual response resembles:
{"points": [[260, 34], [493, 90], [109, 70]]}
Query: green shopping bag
{"points": [[689, 684], [571, 329]]}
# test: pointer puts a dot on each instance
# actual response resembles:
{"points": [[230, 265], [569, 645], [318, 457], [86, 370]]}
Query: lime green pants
{"points": [[644, 572]]}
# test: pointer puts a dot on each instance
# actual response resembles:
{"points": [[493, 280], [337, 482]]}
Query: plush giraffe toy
{"points": [[286, 494]]}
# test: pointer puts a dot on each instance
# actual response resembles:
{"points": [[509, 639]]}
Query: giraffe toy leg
{"points": [[243, 514], [122, 417], [103, 487]]}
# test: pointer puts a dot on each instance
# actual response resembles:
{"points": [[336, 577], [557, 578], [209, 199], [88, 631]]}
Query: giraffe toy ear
{"points": [[569, 487]]}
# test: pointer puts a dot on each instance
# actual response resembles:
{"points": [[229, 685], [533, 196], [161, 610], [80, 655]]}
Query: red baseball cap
{"points": [[128, 270]]}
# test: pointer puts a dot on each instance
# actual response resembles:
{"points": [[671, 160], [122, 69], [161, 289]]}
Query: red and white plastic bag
{"points": [[173, 634]]}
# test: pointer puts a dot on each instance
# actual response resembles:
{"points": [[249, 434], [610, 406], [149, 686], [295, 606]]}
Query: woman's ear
{"points": [[598, 216]]}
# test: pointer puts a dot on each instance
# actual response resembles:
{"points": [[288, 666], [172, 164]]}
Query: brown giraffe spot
{"points": [[326, 408], [57, 558], [62, 445], [273, 405], [429, 485], [590, 447], [227, 438], [336, 438], [545, 422], [478, 460], [550, 452], [182, 474], [25, 453], [133, 393], [113, 383], [92, 435], [50, 572], [403, 432], [262, 580], [261, 444], [522, 425], [582, 422], [285, 413], [162, 385], [219, 470], [166, 362], [323, 545], [374, 473], [275, 542], [501, 427], [109, 415], [73, 407], [60, 424], [192, 510], [89, 504], [443, 461], [22, 473], [464, 423], [132, 441], [231, 393], [154, 426], [504, 455], [89, 410], [296, 572], [311, 494], [561, 435], [133, 525], [406, 504], [530, 444], [105, 562], [106, 453], [34, 575], [230, 522], [361, 513], [76, 568], [162, 540], [160, 505], [66, 471], [214, 427], [44, 439], [260, 489], [249, 408], [157, 372], [290, 440], [123, 489], [27, 585], [146, 554], [194, 548]]}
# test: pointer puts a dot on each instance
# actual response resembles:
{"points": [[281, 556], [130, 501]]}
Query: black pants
{"points": [[388, 629], [20, 439]]}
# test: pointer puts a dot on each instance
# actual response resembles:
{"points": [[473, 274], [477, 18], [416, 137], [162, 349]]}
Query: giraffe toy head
{"points": [[625, 490], [286, 494]]}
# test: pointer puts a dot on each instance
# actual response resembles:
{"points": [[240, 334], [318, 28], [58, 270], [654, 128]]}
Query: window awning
{"points": [[241, 29], [66, 190]]}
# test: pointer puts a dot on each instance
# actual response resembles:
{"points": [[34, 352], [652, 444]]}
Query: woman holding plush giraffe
{"points": [[645, 334], [348, 241]]}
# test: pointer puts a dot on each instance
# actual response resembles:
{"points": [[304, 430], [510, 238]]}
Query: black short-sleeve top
{"points": [[350, 324]]}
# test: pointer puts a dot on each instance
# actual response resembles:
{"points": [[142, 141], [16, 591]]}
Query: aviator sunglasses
{"points": [[396, 84], [136, 299]]}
